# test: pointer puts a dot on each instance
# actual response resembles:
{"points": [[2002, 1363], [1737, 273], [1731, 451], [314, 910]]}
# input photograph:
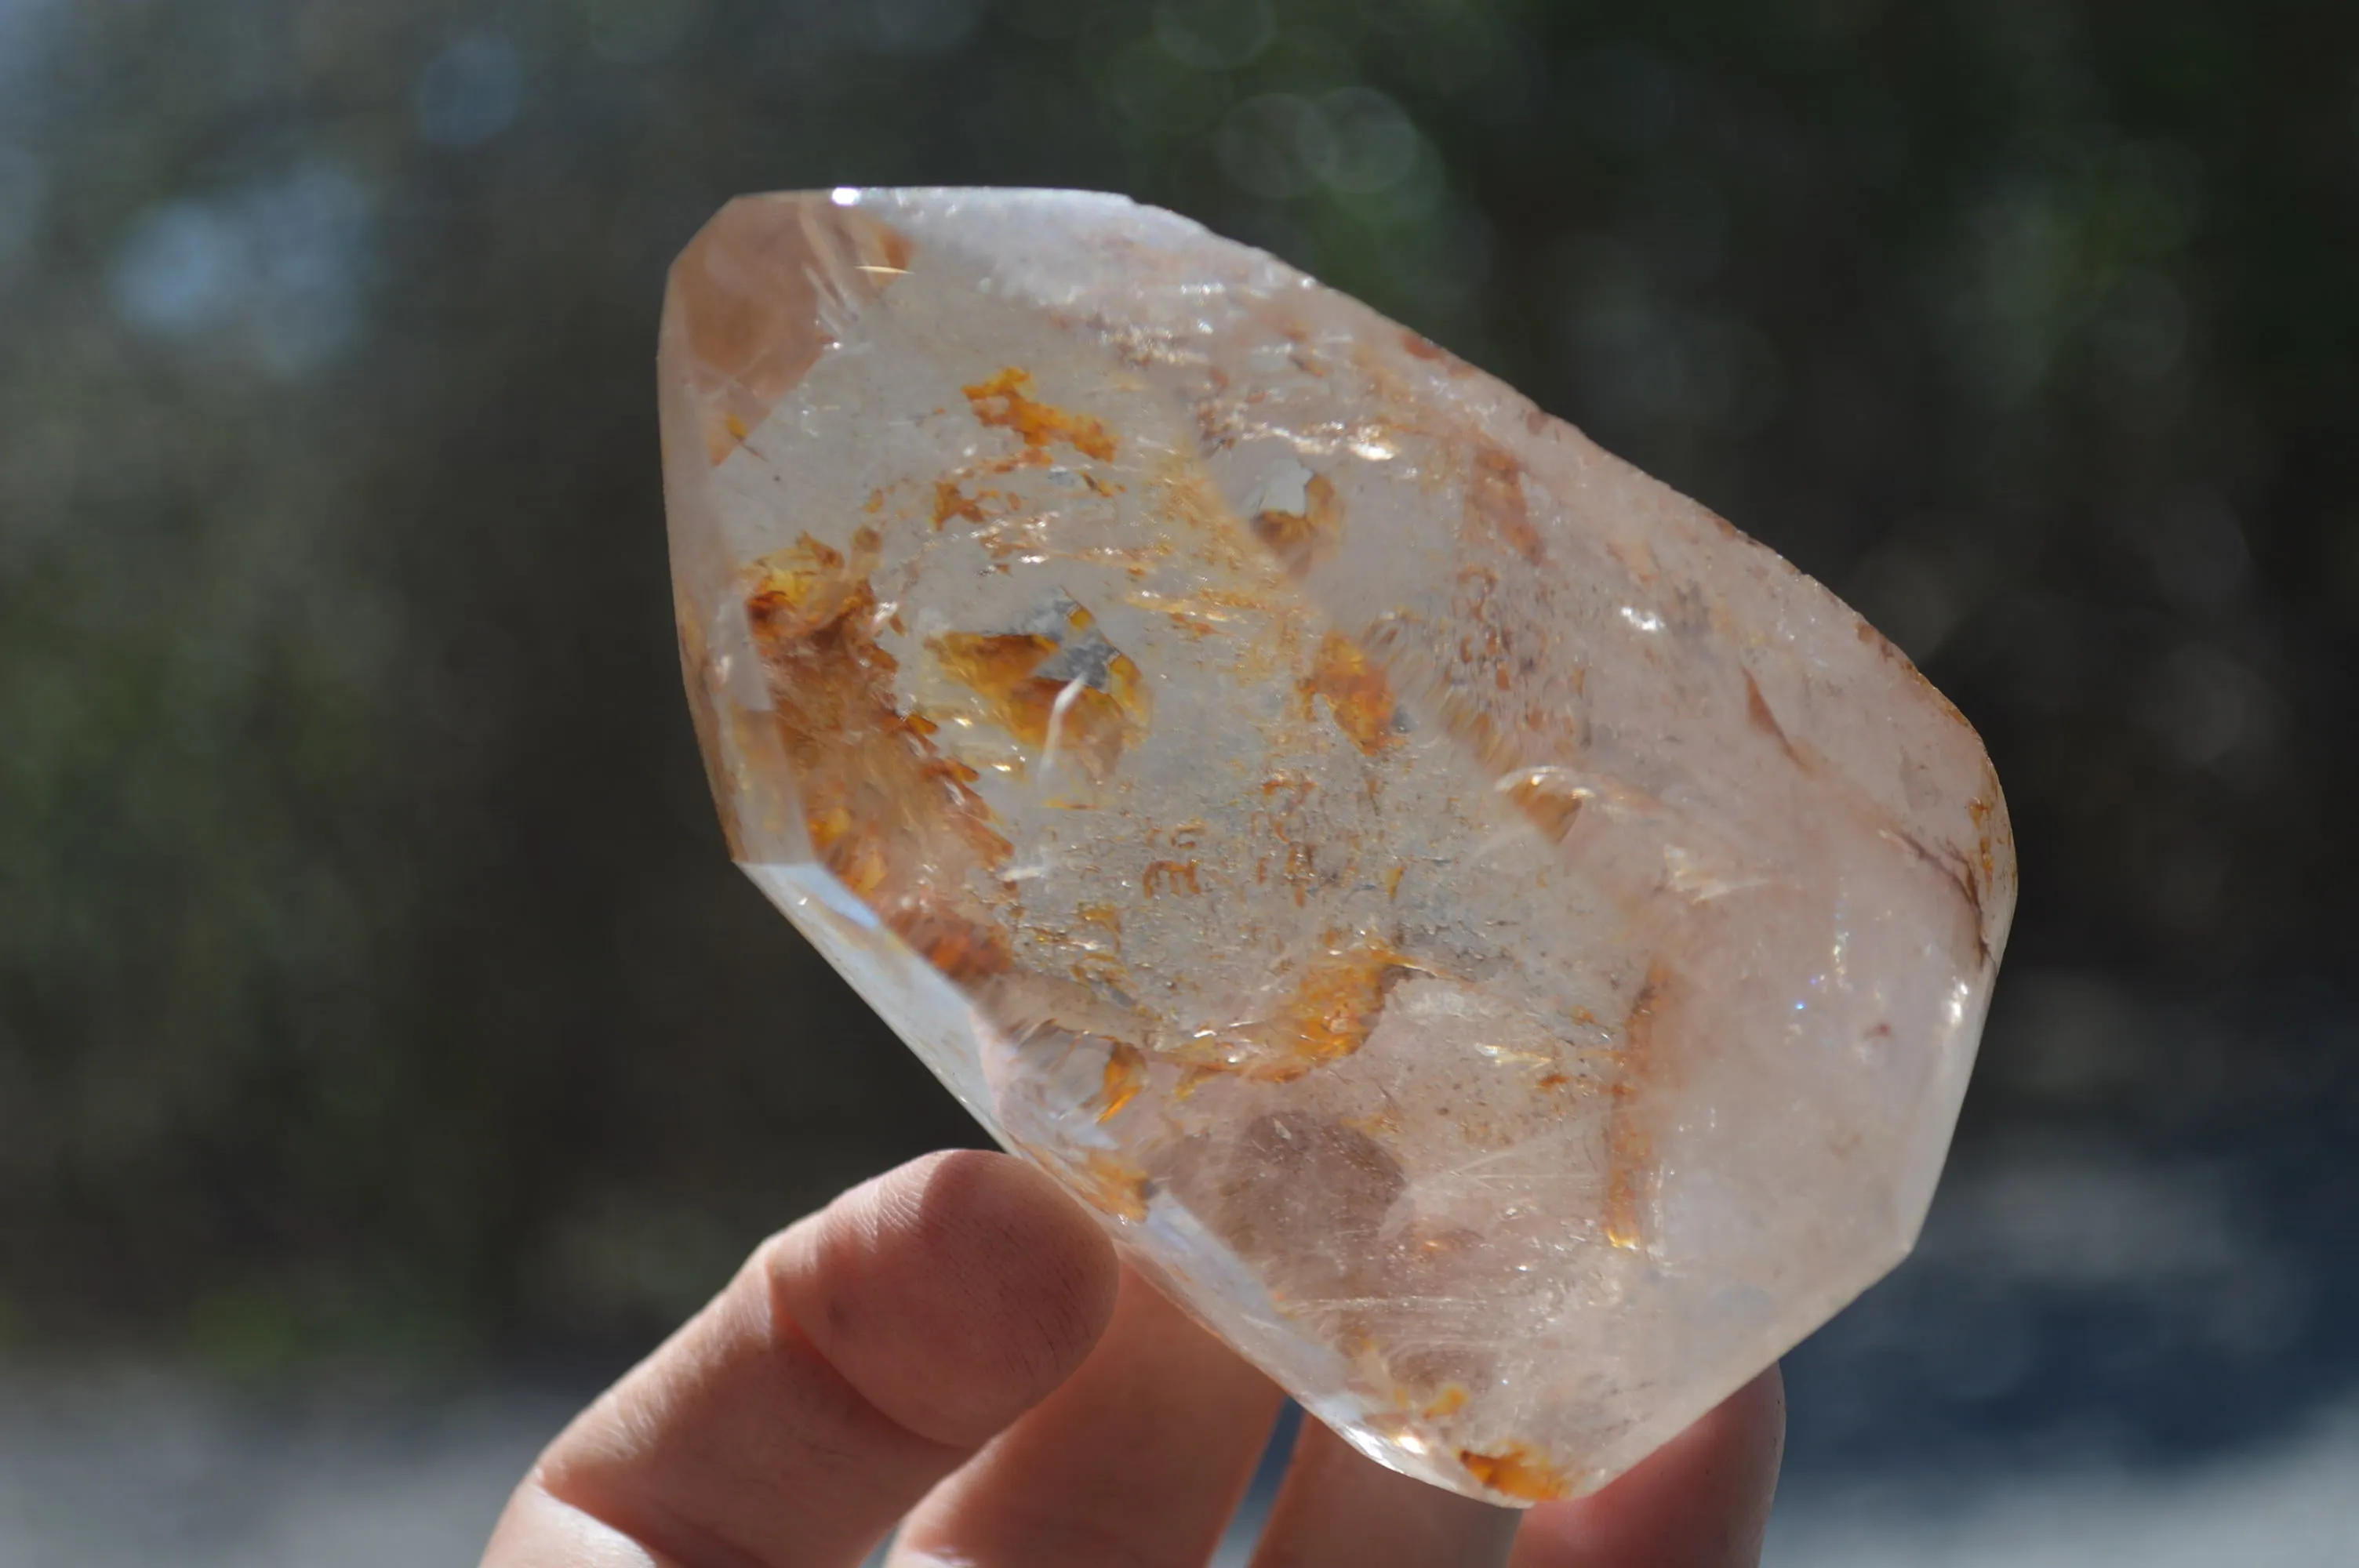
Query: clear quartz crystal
{"points": [[1501, 947]]}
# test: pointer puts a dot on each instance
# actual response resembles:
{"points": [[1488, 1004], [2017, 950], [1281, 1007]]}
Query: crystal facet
{"points": [[1501, 948]]}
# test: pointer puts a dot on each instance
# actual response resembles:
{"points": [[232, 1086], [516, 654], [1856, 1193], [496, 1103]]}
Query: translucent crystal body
{"points": [[1502, 947]]}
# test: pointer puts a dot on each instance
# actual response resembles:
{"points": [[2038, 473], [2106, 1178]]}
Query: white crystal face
{"points": [[1499, 946]]}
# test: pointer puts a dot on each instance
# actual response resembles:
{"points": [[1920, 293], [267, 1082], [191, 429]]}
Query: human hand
{"points": [[955, 1342]]}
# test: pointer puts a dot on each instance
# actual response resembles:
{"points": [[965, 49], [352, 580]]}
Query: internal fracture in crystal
{"points": [[1500, 946]]}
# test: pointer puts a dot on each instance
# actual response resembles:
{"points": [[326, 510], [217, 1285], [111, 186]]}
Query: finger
{"points": [[1701, 1501], [1139, 1459], [1337, 1509], [537, 1532], [857, 1359]]}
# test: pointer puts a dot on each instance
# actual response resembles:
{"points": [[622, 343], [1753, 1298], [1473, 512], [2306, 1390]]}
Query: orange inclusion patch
{"points": [[951, 501], [1979, 810], [1494, 495], [997, 666], [1299, 538], [1422, 346], [807, 588], [1518, 1471], [1125, 1075], [1629, 1177], [862, 767], [964, 950], [1001, 402], [1547, 803], [1169, 876], [1111, 1183], [1358, 697], [1332, 1011], [1192, 1077], [1449, 1402]]}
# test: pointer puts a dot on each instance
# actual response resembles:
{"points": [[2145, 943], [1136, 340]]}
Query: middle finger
{"points": [[1339, 1509]]}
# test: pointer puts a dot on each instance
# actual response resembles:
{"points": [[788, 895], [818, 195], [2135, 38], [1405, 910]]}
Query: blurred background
{"points": [[388, 1052]]}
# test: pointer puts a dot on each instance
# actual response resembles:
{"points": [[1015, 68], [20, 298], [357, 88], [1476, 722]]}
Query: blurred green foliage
{"points": [[371, 972]]}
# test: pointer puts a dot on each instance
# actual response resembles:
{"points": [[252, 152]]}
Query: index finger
{"points": [[857, 1360]]}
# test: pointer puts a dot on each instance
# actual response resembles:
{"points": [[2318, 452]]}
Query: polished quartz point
{"points": [[1499, 946]]}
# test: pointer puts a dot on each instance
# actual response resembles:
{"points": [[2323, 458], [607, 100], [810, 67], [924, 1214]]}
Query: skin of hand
{"points": [[955, 1343]]}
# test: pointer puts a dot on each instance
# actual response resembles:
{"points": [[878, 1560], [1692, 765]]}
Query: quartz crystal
{"points": [[1498, 945]]}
